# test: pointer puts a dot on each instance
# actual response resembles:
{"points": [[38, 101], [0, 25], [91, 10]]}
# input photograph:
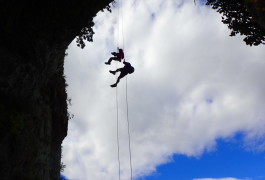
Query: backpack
{"points": [[131, 70], [121, 54]]}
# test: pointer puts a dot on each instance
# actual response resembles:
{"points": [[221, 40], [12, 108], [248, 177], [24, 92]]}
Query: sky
{"points": [[196, 99]]}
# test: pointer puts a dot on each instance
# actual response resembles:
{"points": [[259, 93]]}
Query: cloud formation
{"points": [[192, 84]]}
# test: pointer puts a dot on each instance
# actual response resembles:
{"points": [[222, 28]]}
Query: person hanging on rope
{"points": [[117, 56], [127, 69]]}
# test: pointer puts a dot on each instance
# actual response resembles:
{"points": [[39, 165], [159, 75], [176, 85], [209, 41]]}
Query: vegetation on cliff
{"points": [[240, 19]]}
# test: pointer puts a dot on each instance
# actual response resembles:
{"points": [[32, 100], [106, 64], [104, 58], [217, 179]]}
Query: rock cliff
{"points": [[33, 107]]}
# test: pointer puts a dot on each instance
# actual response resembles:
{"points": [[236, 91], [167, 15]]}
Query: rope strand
{"points": [[122, 25], [118, 142], [117, 102], [120, 4], [129, 134], [127, 106], [118, 41]]}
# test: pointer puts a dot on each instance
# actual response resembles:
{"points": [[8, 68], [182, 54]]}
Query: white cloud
{"points": [[192, 84]]}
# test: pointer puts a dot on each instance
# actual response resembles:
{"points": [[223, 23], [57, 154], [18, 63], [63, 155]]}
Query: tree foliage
{"points": [[236, 15], [86, 33]]}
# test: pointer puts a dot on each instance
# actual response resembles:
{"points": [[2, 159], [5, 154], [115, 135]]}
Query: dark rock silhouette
{"points": [[33, 103]]}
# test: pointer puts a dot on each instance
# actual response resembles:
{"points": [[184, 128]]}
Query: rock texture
{"points": [[33, 106]]}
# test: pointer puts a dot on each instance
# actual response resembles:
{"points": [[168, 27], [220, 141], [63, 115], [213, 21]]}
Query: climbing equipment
{"points": [[120, 4]]}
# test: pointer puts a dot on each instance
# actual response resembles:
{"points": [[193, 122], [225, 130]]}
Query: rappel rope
{"points": [[117, 124], [120, 3], [117, 104], [118, 143], [129, 135]]}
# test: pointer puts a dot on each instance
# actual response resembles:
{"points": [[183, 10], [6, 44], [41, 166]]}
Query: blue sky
{"points": [[229, 160], [196, 98], [63, 177]]}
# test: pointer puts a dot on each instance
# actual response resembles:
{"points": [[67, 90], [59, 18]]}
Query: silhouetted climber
{"points": [[118, 56], [127, 69]]}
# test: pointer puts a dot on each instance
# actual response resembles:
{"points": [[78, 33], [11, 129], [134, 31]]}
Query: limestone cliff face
{"points": [[33, 109]]}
